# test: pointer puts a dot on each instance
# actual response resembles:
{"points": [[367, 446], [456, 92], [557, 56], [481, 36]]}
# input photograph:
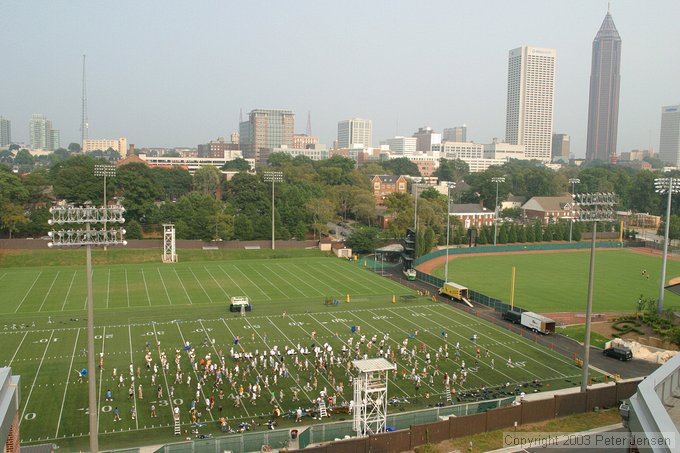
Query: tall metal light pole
{"points": [[74, 218], [273, 176], [573, 182], [450, 186], [497, 180], [665, 185], [105, 170], [593, 207]]}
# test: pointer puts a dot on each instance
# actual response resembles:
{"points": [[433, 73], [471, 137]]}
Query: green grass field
{"points": [[556, 282], [139, 306]]}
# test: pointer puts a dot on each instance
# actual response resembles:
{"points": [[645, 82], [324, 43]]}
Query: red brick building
{"points": [[472, 215], [383, 185]]}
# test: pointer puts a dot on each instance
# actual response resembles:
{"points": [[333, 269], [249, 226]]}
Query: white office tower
{"points": [[531, 89], [669, 142], [356, 132]]}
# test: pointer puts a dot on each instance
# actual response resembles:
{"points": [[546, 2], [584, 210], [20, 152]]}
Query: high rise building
{"points": [[265, 130], [5, 132], [355, 132], [561, 147], [455, 134], [425, 138], [669, 142], [605, 80], [531, 90], [119, 145], [401, 145], [41, 134]]}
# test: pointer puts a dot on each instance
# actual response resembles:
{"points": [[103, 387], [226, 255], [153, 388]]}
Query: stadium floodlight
{"points": [[105, 171], [593, 207], [273, 176], [573, 182], [497, 180], [72, 219], [662, 186], [451, 185]]}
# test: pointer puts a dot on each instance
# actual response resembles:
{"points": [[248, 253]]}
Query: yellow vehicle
{"points": [[455, 291]]}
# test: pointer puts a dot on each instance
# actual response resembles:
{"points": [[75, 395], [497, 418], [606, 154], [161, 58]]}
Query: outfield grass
{"points": [[139, 306], [578, 333], [556, 282]]}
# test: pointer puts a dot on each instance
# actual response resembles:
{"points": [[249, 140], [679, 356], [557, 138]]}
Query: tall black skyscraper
{"points": [[605, 80]]}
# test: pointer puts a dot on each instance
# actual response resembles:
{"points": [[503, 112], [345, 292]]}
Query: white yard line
{"points": [[17, 350], [218, 283], [232, 280], [134, 392], [48, 291], [243, 404], [3, 275], [165, 378], [181, 283], [146, 288], [294, 286], [329, 274], [392, 286], [108, 286], [101, 377], [255, 284], [318, 280], [28, 292], [127, 289], [164, 287], [514, 337], [265, 279], [199, 284], [472, 355], [37, 373], [70, 369], [195, 373], [69, 290]]}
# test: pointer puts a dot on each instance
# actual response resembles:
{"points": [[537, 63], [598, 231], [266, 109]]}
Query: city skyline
{"points": [[171, 86]]}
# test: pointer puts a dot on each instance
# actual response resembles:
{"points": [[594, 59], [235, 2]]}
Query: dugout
{"points": [[239, 302]]}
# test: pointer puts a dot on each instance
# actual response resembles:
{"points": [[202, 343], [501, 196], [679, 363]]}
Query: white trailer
{"points": [[538, 323]]}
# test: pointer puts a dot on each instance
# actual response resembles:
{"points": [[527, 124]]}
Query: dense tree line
{"points": [[312, 194]]}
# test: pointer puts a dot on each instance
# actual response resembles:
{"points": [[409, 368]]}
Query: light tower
{"points": [[83, 119], [74, 218], [497, 180], [370, 395], [273, 176], [662, 186], [593, 207], [169, 255]]}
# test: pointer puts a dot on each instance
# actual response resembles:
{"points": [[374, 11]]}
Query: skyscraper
{"points": [[5, 132], [41, 134], [605, 80], [455, 134], [531, 89], [561, 144], [353, 132], [669, 142], [265, 130]]}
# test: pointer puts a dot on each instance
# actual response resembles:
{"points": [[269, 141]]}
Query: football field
{"points": [[181, 310]]}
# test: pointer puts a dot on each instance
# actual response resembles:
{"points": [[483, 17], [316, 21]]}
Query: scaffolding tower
{"points": [[370, 396], [169, 255]]}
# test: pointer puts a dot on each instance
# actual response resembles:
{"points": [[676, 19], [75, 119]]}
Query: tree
{"points": [[237, 164], [12, 217], [140, 190], [173, 182], [451, 170], [74, 147], [363, 240], [24, 158], [133, 230], [80, 169], [322, 211], [401, 166], [207, 180]]}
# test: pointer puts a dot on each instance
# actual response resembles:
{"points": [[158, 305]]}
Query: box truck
{"points": [[538, 323], [455, 291]]}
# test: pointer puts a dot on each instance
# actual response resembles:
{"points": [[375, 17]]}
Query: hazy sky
{"points": [[176, 73]]}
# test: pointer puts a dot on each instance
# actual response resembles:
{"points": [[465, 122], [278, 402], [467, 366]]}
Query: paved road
{"points": [[558, 343]]}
